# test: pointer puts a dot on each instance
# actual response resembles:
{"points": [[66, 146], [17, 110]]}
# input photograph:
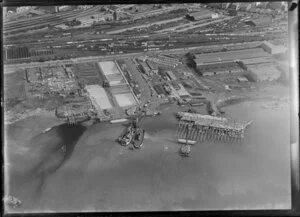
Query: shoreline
{"points": [[214, 107], [95, 160]]}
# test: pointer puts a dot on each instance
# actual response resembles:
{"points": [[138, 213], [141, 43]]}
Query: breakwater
{"points": [[215, 107]]}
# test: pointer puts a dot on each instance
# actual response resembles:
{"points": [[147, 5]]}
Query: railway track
{"points": [[45, 20]]}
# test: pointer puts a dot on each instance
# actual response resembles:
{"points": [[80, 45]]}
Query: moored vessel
{"points": [[139, 138], [187, 141], [128, 137]]}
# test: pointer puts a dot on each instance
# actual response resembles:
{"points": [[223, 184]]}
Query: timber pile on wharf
{"points": [[197, 127]]}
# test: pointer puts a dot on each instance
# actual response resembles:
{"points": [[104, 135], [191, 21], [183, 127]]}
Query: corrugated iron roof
{"points": [[230, 55], [201, 13]]}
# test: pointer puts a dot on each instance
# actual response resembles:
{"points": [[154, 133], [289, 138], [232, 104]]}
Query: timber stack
{"points": [[210, 128]]}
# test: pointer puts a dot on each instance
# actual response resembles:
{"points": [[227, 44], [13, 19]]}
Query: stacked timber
{"points": [[197, 127]]}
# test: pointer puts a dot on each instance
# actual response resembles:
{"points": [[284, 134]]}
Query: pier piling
{"points": [[208, 128]]}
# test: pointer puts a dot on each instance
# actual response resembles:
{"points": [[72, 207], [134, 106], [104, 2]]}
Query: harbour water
{"points": [[97, 174]]}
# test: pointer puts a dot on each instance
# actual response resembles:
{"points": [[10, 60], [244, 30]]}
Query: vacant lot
{"points": [[14, 88]]}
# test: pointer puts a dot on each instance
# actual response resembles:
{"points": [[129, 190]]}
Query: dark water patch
{"points": [[70, 135], [55, 148]]}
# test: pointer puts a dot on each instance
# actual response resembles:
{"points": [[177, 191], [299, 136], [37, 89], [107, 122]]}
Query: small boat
{"points": [[63, 149], [128, 138], [46, 130], [118, 121], [187, 141], [139, 139]]}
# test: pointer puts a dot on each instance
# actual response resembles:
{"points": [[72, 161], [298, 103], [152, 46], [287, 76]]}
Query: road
{"points": [[145, 91]]}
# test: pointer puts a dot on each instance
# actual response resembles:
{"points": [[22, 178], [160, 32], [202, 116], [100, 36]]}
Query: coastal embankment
{"points": [[215, 107]]}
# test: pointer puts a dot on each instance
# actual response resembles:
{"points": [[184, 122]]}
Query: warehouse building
{"points": [[229, 56], [159, 89], [219, 68], [171, 75], [258, 60], [226, 62], [266, 20], [265, 72], [152, 66], [242, 79], [273, 49], [203, 14], [182, 92]]}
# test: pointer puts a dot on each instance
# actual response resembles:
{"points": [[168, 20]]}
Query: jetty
{"points": [[197, 127]]}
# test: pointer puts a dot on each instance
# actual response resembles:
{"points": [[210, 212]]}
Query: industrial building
{"points": [[144, 68], [265, 72], [23, 9], [64, 8], [182, 92], [203, 14], [226, 62], [266, 20], [242, 79], [244, 6], [159, 89], [152, 66], [219, 68], [258, 60], [171, 75], [273, 49], [229, 56]]}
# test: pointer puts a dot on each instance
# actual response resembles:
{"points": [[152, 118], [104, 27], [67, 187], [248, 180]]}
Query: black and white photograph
{"points": [[147, 107]]}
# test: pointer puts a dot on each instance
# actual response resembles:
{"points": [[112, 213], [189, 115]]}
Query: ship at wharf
{"points": [[197, 127]]}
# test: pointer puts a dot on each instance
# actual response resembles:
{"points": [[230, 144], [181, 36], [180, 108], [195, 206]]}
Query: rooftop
{"points": [[201, 13], [230, 55]]}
